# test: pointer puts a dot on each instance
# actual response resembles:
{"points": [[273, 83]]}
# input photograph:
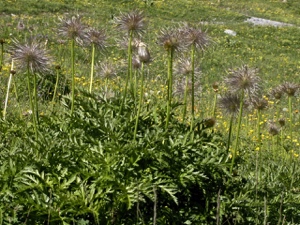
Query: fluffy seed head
{"points": [[215, 86], [184, 67], [244, 79], [106, 70], [171, 39], [97, 37], [259, 103], [73, 29], [131, 22], [143, 53], [281, 122], [209, 122], [273, 129], [30, 55], [230, 104], [21, 25], [196, 37], [290, 88], [136, 63], [276, 92]]}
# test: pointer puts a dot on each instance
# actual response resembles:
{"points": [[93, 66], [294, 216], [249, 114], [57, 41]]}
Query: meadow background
{"points": [[129, 150]]}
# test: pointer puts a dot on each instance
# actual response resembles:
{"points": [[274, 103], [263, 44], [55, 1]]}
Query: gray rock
{"points": [[265, 22], [230, 32]]}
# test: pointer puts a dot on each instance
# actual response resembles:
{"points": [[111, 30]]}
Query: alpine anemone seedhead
{"points": [[196, 37], [73, 29], [171, 39], [131, 22], [244, 79], [209, 122], [21, 26], [277, 92], [290, 88], [184, 67], [230, 104], [215, 86], [259, 103], [97, 37], [136, 63], [106, 70], [281, 122], [30, 55], [143, 53], [273, 129]]}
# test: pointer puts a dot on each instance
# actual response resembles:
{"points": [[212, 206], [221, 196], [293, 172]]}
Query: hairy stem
{"points": [[193, 84], [92, 67], [170, 84], [73, 73], [140, 102], [259, 143], [56, 85], [1, 55], [238, 132], [35, 96], [31, 103], [229, 133], [291, 116], [185, 99], [129, 70], [215, 104], [8, 88]]}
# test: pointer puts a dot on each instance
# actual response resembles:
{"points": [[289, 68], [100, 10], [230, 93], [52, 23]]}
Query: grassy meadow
{"points": [[146, 112]]}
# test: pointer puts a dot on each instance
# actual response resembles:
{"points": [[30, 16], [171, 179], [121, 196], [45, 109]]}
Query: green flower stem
{"points": [[129, 70], [92, 67], [35, 97], [281, 139], [293, 171], [238, 132], [258, 127], [291, 116], [129, 53], [185, 99], [31, 103], [193, 84], [17, 97], [290, 109], [170, 83], [56, 85], [215, 104], [2, 52], [60, 54], [277, 110], [106, 86], [259, 138], [140, 102], [73, 74], [229, 133], [135, 85], [8, 88]]}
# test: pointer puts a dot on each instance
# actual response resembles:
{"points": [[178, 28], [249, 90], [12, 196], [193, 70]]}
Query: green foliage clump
{"points": [[86, 167]]}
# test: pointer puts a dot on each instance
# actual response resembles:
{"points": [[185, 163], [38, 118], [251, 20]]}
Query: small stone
{"points": [[230, 32]]}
